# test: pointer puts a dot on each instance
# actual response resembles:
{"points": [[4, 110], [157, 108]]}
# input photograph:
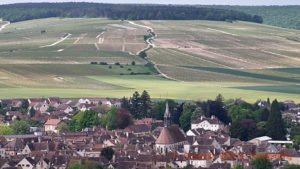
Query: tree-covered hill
{"points": [[282, 16], [28, 11]]}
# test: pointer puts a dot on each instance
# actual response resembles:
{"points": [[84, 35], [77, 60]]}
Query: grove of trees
{"points": [[28, 11]]}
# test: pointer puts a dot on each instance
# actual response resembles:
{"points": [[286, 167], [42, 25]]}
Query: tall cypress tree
{"points": [[135, 105], [275, 125], [145, 104]]}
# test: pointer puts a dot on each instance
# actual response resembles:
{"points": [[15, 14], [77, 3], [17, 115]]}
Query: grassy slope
{"points": [[47, 72]]}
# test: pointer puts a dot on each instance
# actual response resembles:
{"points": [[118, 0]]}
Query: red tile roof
{"points": [[52, 122]]}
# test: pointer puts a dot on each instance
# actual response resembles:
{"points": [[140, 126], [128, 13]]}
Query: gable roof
{"points": [[212, 120], [53, 122], [170, 135]]}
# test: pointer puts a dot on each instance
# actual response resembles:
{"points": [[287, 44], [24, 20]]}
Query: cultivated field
{"points": [[51, 57]]}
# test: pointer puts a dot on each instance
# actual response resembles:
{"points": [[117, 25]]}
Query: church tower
{"points": [[171, 138], [167, 116]]}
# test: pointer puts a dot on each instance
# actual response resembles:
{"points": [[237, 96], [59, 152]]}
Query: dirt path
{"points": [[222, 32], [3, 26], [151, 45], [57, 42]]}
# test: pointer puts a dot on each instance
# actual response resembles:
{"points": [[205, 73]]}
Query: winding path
{"points": [[151, 45]]}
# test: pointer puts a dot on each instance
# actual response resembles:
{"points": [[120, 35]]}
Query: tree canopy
{"points": [[275, 125], [84, 119], [28, 11]]}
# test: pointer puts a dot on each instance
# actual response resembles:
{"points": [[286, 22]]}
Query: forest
{"points": [[29, 11], [282, 16]]}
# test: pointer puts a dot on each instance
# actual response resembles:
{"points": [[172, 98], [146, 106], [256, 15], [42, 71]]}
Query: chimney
{"points": [[212, 117], [202, 117]]}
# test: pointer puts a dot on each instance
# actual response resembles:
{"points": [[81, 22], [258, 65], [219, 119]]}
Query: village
{"points": [[147, 143]]}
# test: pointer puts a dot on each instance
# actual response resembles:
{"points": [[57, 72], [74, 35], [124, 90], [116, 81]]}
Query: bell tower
{"points": [[167, 116]]}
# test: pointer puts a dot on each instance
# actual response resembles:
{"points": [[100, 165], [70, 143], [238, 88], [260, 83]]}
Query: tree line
{"points": [[29, 11], [282, 16]]}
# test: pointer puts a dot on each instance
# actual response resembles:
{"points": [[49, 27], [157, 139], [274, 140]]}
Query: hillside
{"points": [[282, 16], [51, 57]]}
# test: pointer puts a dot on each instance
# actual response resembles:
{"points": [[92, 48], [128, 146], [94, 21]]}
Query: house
{"points": [[95, 101], [16, 103], [53, 100], [65, 108], [27, 163], [212, 124], [51, 125], [43, 163], [260, 140], [42, 107], [35, 100], [290, 155]]}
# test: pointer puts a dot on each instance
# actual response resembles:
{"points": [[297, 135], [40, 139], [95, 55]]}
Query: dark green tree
{"points": [[262, 162], [25, 104], [107, 153], [135, 105], [275, 125], [32, 112], [185, 120], [84, 119], [237, 130], [145, 104], [76, 166], [198, 112], [125, 103], [110, 119], [20, 127], [63, 127], [160, 107]]}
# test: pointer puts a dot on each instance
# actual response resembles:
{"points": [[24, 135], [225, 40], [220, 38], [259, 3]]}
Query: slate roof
{"points": [[170, 135]]}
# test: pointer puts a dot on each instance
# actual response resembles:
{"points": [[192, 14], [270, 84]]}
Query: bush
{"points": [[109, 66], [129, 69], [117, 63], [122, 74], [133, 63], [143, 54], [121, 66], [94, 63], [103, 63]]}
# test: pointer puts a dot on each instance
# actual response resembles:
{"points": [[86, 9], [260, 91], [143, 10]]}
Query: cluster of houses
{"points": [[148, 143], [52, 108]]}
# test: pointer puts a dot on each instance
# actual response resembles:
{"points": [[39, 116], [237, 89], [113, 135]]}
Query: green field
{"points": [[51, 57]]}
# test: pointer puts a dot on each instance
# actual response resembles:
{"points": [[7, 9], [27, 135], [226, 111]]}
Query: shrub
{"points": [[110, 66], [121, 66], [94, 63], [129, 69], [103, 63], [117, 63], [133, 63]]}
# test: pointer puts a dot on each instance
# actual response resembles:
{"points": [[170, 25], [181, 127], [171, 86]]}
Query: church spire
{"points": [[167, 116]]}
